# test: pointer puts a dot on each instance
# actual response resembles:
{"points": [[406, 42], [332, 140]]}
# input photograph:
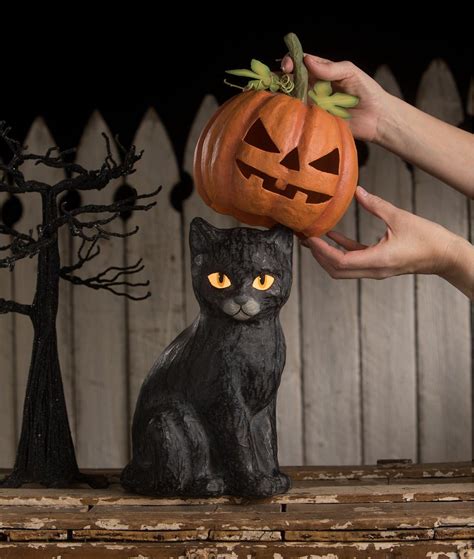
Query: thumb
{"points": [[326, 69], [375, 205]]}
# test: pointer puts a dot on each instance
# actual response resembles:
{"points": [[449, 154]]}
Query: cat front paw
{"points": [[262, 485], [207, 486]]}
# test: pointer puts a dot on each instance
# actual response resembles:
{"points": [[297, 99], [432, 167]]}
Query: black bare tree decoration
{"points": [[46, 451]]}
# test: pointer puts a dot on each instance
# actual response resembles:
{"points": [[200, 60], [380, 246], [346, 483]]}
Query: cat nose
{"points": [[241, 299]]}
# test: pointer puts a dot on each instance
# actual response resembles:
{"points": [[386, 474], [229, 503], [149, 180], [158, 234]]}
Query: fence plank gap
{"points": [[387, 318], [99, 333], [444, 355], [155, 322]]}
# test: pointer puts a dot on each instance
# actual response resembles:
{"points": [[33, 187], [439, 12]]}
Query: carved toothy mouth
{"points": [[290, 190]]}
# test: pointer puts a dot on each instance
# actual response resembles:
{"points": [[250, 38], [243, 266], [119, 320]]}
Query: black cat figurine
{"points": [[205, 420]]}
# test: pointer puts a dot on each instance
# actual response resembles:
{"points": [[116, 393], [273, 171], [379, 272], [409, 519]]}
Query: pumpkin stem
{"points": [[300, 72]]}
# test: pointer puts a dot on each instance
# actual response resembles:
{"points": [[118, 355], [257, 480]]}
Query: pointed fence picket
{"points": [[443, 313], [154, 323], [387, 318], [99, 332], [374, 369]]}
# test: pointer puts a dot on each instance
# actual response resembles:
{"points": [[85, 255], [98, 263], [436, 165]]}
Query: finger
{"points": [[287, 64], [349, 274], [328, 70], [374, 257], [287, 61], [376, 205], [348, 244]]}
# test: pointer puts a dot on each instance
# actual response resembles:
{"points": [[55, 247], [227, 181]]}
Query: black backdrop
{"points": [[64, 78]]}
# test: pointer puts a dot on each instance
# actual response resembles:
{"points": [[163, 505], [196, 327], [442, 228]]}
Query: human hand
{"points": [[410, 245], [348, 78]]}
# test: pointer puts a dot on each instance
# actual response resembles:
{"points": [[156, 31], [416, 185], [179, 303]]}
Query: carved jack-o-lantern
{"points": [[267, 158]]}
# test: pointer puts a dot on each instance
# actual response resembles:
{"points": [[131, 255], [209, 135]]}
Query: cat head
{"points": [[241, 274]]}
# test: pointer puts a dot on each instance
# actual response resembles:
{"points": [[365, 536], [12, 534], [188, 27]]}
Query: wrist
{"points": [[458, 265], [389, 126]]}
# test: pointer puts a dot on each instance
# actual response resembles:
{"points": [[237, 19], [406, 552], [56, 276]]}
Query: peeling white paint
{"points": [[408, 496], [417, 525], [441, 474], [451, 498], [442, 554], [342, 526], [324, 499], [454, 521], [111, 524], [165, 526], [34, 524]]}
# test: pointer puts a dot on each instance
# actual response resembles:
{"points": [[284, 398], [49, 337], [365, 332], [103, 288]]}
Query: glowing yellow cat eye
{"points": [[263, 282], [219, 280]]}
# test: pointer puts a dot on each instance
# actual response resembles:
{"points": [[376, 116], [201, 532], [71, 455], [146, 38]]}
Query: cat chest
{"points": [[254, 365]]}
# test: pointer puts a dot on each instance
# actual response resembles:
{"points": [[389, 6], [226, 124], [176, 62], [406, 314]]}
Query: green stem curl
{"points": [[299, 71]]}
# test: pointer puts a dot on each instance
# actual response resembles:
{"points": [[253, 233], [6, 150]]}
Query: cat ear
{"points": [[282, 237], [201, 235]]}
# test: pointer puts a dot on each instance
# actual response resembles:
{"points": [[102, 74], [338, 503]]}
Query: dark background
{"points": [[65, 77]]}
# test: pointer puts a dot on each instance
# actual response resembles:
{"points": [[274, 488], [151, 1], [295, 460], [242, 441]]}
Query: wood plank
{"points": [[331, 381], [39, 140], [194, 206], [99, 334], [355, 516], [444, 337], [359, 535], [116, 497], [154, 323], [463, 533], [140, 536], [346, 475], [36, 535], [245, 535], [387, 317], [269, 550]]}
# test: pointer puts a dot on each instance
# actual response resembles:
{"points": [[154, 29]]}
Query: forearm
{"points": [[442, 150], [459, 270]]}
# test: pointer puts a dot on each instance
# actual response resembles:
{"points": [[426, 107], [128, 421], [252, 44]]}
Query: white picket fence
{"points": [[374, 369]]}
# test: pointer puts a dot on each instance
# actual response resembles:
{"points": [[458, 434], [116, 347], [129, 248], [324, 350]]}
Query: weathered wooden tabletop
{"points": [[393, 510]]}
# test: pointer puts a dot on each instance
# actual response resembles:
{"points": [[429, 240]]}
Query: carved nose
{"points": [[241, 299], [291, 160]]}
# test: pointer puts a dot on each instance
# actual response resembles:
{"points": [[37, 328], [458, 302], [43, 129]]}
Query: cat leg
{"points": [[264, 437], [172, 457], [230, 422]]}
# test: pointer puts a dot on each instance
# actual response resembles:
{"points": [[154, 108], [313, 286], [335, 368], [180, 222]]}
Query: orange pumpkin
{"points": [[268, 158]]}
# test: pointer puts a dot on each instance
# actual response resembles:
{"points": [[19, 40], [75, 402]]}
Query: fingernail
{"points": [[362, 191]]}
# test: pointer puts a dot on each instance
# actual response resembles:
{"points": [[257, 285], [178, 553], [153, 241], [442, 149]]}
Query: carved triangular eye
{"points": [[291, 160], [329, 163], [258, 137]]}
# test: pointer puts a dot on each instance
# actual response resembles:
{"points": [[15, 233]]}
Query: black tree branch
{"points": [[101, 281], [12, 306], [20, 250]]}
